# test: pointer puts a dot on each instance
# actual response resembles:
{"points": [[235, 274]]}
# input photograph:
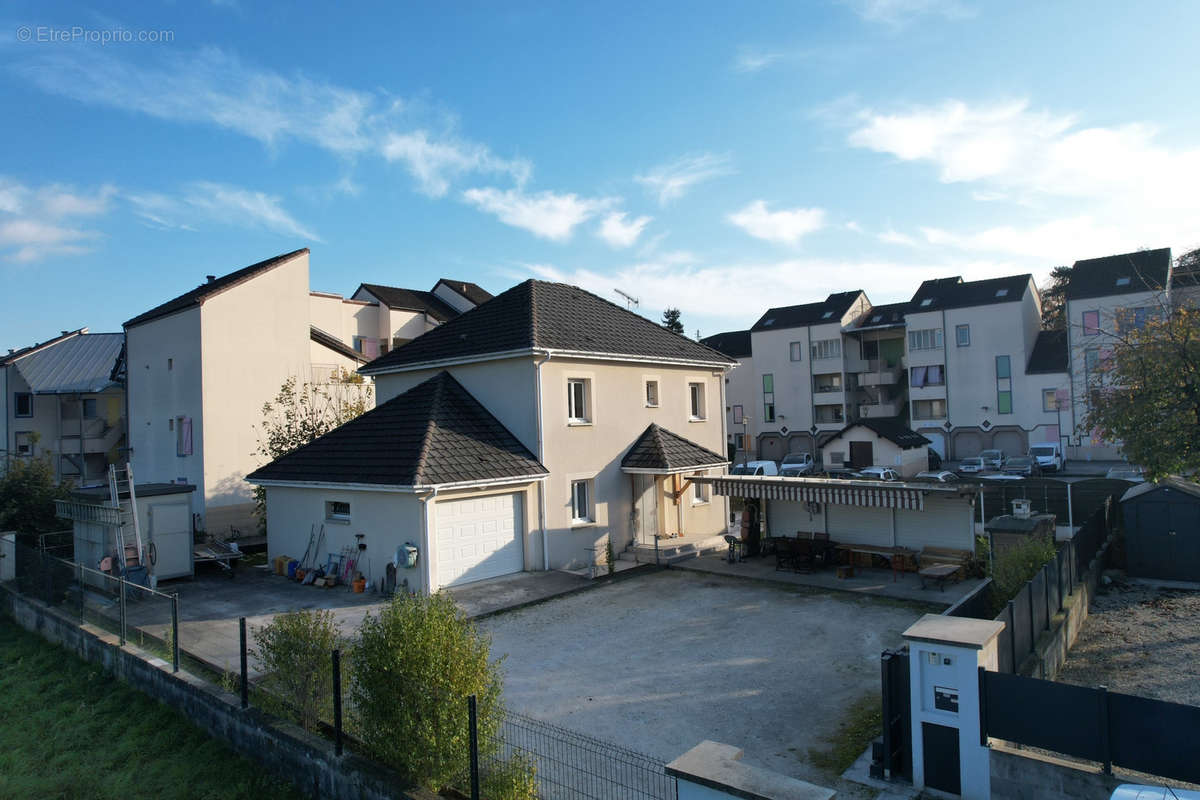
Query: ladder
{"points": [[121, 480]]}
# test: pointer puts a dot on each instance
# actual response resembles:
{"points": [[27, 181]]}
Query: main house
{"points": [[543, 429], [201, 366]]}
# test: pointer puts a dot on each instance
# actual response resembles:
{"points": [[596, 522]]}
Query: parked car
{"points": [[1049, 456], [755, 468], [971, 465], [1127, 472], [794, 472], [935, 460], [879, 474], [803, 462], [1026, 466], [936, 476], [993, 459], [843, 473]]}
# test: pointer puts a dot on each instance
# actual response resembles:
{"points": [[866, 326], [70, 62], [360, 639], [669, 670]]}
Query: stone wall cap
{"points": [[957, 631], [718, 766]]}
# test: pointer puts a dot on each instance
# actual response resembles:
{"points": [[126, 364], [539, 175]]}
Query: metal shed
{"points": [[1162, 530]]}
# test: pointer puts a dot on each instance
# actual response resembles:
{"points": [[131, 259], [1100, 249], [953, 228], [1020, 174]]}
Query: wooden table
{"points": [[897, 557], [939, 573]]}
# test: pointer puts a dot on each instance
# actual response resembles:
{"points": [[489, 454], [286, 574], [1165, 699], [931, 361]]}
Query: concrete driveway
{"points": [[662, 661]]}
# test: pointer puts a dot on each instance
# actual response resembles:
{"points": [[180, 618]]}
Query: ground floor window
{"points": [[701, 492], [337, 511], [581, 501]]}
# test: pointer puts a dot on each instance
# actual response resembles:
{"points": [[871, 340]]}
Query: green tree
{"points": [[1054, 300], [414, 667], [294, 652], [27, 494], [304, 412], [1146, 391], [671, 321]]}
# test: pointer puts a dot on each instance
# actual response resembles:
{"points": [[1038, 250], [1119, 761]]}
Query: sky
{"points": [[718, 157]]}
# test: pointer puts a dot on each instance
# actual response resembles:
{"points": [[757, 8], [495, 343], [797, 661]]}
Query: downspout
{"points": [[425, 538], [541, 447]]}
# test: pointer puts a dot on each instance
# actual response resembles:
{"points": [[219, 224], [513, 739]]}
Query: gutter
{"points": [[383, 487], [548, 353]]}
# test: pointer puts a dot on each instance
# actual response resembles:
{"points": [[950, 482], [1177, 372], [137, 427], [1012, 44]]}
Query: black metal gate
{"points": [[893, 752]]}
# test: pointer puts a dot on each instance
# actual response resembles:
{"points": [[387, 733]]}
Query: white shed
{"points": [[878, 443]]}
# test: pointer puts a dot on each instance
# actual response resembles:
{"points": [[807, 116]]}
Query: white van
{"points": [[755, 468], [1049, 456]]}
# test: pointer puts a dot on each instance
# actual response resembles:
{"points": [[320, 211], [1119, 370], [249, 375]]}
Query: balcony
{"points": [[829, 415], [881, 377], [876, 410], [98, 436]]}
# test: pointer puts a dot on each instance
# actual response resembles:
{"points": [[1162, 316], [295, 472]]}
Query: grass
{"points": [[69, 730], [863, 722]]}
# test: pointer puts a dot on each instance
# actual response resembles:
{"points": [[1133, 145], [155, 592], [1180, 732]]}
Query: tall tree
{"points": [[1146, 389], [1054, 300], [671, 321]]}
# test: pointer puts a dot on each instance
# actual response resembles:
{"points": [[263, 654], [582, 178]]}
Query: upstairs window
{"points": [[1004, 400], [651, 394], [962, 335], [696, 401], [1091, 323], [927, 339], [827, 348], [579, 405], [797, 350], [1049, 400], [22, 404], [768, 398]]}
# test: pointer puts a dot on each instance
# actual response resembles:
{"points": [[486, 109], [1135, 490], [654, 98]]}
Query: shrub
{"points": [[27, 494], [514, 779], [414, 666], [295, 654], [1014, 566]]}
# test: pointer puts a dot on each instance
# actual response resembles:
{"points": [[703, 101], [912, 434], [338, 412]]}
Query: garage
{"points": [[479, 538], [1013, 443], [967, 444]]}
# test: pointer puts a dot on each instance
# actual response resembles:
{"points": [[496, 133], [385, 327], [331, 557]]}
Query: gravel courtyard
{"points": [[660, 662], [1139, 640]]}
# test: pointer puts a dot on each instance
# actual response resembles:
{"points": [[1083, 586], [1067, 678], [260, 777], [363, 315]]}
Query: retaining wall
{"points": [[285, 750], [1024, 775]]}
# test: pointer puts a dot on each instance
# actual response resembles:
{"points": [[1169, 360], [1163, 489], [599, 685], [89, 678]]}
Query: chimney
{"points": [[1022, 509], [64, 333], [211, 278]]}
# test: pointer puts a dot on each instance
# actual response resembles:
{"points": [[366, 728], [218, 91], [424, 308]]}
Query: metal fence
{"points": [[134, 613], [573, 766], [1152, 736], [1070, 503]]}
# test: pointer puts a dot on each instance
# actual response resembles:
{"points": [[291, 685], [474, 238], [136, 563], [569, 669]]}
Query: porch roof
{"points": [[661, 452], [870, 494]]}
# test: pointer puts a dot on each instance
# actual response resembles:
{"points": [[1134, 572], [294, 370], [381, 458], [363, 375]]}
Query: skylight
{"points": [[876, 318], [1001, 292], [827, 315], [770, 321], [1123, 281], [926, 301]]}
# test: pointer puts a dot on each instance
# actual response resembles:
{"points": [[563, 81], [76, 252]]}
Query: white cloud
{"points": [[891, 236], [206, 201], [898, 13], [545, 214], [434, 163], [35, 222], [672, 180], [786, 226], [619, 233], [751, 60]]}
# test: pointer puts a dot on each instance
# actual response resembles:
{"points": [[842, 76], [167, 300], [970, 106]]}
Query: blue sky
{"points": [[720, 157]]}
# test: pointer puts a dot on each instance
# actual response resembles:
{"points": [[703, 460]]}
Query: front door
{"points": [[647, 507], [862, 454]]}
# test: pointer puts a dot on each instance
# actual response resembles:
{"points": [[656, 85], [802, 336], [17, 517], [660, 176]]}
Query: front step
{"points": [[672, 551]]}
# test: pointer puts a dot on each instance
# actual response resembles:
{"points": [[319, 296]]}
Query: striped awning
{"points": [[801, 490]]}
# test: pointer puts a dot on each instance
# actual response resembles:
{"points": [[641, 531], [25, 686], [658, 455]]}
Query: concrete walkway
{"points": [[876, 582]]}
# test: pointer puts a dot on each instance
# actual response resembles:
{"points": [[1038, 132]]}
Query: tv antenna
{"points": [[631, 302]]}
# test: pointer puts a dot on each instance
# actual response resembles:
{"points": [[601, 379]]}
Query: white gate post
{"points": [[945, 654]]}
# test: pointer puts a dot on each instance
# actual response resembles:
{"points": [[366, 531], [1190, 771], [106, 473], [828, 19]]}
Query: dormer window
{"points": [[1002, 293], [926, 301], [1123, 281]]}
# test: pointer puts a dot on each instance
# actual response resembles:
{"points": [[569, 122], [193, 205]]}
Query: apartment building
{"points": [[63, 399], [740, 383]]}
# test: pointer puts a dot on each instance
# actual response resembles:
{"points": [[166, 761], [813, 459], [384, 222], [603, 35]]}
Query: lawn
{"points": [[69, 730]]}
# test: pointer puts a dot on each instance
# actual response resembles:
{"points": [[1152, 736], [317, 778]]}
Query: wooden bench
{"points": [[942, 563]]}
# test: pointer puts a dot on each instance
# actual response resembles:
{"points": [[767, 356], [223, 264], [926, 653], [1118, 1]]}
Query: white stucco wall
{"points": [[944, 522]]}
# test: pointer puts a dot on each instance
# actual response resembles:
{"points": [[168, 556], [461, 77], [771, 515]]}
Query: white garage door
{"points": [[479, 538]]}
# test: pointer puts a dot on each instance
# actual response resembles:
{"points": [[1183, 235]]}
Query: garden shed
{"points": [[1162, 529], [878, 442]]}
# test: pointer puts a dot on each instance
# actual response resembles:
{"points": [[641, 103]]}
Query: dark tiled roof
{"points": [[939, 293], [435, 433], [335, 344], [735, 344], [893, 430], [829, 310], [411, 300], [883, 316], [546, 316], [472, 291], [1049, 353], [205, 290], [659, 449], [1143, 271]]}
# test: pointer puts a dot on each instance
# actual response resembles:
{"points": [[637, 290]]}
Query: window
{"points": [[651, 394], [927, 339], [962, 335], [1135, 319], [738, 415], [1049, 400], [183, 436], [89, 408], [1002, 293], [827, 348], [700, 491], [827, 315], [768, 398], [870, 350], [827, 383], [579, 407], [1003, 385], [797, 350], [1091, 362], [337, 511], [739, 441], [929, 409], [1091, 323], [926, 302], [933, 375], [1123, 281], [581, 498], [696, 401], [24, 441], [22, 404], [170, 364]]}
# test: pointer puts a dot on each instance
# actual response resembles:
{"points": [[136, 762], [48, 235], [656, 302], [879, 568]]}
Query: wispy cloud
{"points": [[433, 163], [206, 201], [38, 222], [786, 226], [898, 13], [754, 59], [546, 214], [618, 232], [674, 179]]}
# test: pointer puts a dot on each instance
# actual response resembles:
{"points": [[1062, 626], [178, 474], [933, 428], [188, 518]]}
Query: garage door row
{"points": [[479, 538]]}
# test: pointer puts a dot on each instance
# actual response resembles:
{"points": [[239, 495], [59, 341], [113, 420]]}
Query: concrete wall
{"points": [[291, 754], [1028, 775], [945, 522]]}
